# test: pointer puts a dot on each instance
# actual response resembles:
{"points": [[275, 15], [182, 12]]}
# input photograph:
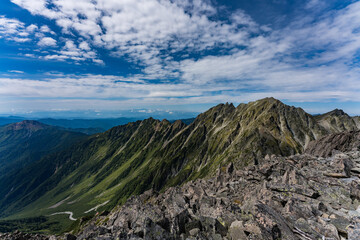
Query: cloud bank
{"points": [[186, 53]]}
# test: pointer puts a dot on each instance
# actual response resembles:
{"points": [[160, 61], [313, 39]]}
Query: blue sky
{"points": [[111, 57]]}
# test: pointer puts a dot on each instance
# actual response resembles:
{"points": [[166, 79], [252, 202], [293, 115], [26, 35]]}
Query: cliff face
{"points": [[357, 121]]}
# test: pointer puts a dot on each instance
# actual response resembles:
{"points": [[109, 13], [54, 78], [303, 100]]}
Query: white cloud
{"points": [[148, 32], [46, 29], [17, 31], [315, 4], [70, 51], [143, 93], [20, 39], [29, 55], [84, 46], [309, 60], [16, 71], [47, 42], [32, 28], [14, 30], [303, 57], [335, 36], [10, 26]]}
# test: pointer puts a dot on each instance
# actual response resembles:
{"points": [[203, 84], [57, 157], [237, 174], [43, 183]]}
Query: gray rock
{"points": [[236, 231]]}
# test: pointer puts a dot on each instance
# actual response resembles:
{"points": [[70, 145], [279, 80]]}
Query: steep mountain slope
{"points": [[357, 121], [337, 121], [27, 141], [107, 168], [87, 169]]}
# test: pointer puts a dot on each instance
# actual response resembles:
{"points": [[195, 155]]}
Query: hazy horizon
{"points": [[158, 113]]}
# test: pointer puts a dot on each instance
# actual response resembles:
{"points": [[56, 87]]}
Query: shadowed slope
{"points": [[27, 141]]}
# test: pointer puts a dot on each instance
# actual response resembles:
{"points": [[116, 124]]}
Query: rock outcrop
{"points": [[297, 197], [344, 141]]}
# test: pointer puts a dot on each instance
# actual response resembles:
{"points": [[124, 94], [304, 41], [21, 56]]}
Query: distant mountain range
{"points": [[87, 126], [105, 169], [10, 119]]}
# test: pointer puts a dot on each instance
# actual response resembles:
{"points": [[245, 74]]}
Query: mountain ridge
{"points": [[152, 154], [26, 141], [30, 125], [337, 121]]}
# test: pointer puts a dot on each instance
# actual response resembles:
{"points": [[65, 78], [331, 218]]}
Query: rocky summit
{"points": [[296, 197]]}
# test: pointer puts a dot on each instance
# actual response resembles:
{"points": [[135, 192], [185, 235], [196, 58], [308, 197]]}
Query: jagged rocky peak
{"points": [[178, 123], [268, 101], [165, 121], [292, 125], [337, 112], [267, 105], [260, 127], [251, 109], [215, 115], [27, 125], [337, 121], [220, 109]]}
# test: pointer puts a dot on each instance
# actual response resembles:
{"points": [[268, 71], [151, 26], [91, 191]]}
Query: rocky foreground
{"points": [[297, 197]]}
